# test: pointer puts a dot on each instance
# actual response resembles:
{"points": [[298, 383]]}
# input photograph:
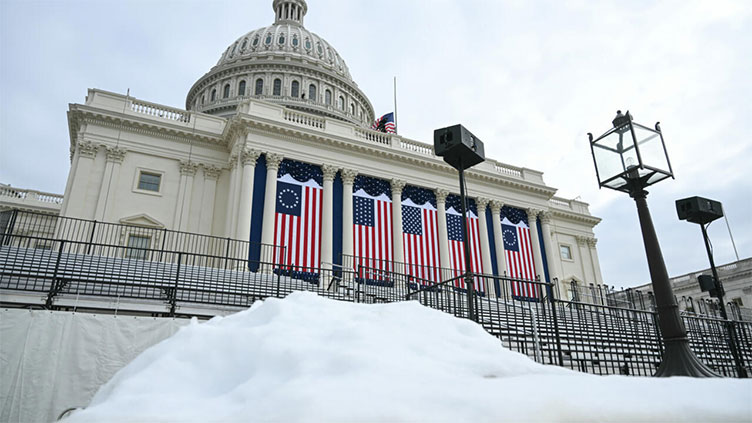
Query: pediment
{"points": [[142, 219]]}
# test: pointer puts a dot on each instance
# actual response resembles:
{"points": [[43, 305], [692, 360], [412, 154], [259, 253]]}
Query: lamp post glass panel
{"points": [[630, 157]]}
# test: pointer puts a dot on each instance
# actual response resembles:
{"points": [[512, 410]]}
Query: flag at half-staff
{"points": [[385, 124]]}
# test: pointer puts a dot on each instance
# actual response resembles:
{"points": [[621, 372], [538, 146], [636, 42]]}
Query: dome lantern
{"points": [[289, 11]]}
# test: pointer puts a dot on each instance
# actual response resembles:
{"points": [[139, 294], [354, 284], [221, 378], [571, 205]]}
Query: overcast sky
{"points": [[530, 78]]}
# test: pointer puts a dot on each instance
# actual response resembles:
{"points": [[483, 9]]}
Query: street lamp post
{"points": [[461, 150], [629, 157]]}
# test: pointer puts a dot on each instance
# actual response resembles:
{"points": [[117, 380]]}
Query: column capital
{"points": [[441, 195], [348, 176], [273, 160], [87, 149], [581, 240], [211, 171], [188, 168], [249, 156], [592, 241], [496, 206], [115, 154], [329, 171], [546, 217], [482, 203], [397, 186], [532, 215]]}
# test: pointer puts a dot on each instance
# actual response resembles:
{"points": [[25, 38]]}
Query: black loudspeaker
{"points": [[699, 210], [457, 145]]}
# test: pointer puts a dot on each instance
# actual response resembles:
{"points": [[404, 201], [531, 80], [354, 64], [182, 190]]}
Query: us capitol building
{"points": [[280, 106]]}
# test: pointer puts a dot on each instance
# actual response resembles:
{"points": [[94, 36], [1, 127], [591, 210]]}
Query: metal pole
{"points": [[678, 359], [469, 285], [741, 371]]}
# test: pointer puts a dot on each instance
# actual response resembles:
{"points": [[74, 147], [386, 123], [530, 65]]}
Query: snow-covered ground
{"points": [[306, 358]]}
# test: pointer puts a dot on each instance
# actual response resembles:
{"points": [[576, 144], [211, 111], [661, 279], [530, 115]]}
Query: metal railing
{"points": [[63, 263]]}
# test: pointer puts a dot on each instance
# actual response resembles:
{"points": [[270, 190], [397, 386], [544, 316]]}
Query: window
{"points": [[312, 92], [213, 95], [203, 99], [328, 97], [244, 45], [241, 88], [352, 109], [226, 91], [341, 103], [277, 87], [566, 252], [259, 86], [138, 246], [295, 89], [738, 301], [295, 40], [308, 44], [281, 39], [268, 39], [255, 41], [149, 181]]}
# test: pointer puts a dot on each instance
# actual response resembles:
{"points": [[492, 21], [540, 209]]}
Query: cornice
{"points": [[576, 217], [295, 135], [79, 115]]}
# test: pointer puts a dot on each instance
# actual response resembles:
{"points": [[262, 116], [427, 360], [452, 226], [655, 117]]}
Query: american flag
{"points": [[297, 223], [372, 227], [457, 246], [385, 124], [518, 251], [420, 235]]}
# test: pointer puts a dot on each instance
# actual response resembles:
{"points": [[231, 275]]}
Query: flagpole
{"points": [[395, 104]]}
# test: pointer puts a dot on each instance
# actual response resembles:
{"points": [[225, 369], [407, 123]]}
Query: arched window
{"points": [[341, 103], [312, 92], [352, 109], [241, 88], [277, 87], [226, 91], [203, 99], [213, 95], [259, 87], [295, 89], [328, 98]]}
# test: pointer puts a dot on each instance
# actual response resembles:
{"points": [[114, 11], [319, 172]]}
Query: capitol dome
{"points": [[282, 63]]}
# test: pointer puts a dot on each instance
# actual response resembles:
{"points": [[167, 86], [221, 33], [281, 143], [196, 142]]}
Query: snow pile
{"points": [[306, 358]]}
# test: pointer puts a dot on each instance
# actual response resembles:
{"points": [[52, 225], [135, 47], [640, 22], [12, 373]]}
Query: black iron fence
{"points": [[63, 263]]}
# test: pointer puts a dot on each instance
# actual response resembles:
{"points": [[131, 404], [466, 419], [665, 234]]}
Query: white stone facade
{"points": [[205, 159]]}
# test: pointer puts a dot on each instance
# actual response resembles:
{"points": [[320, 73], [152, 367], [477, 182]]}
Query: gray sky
{"points": [[530, 78]]}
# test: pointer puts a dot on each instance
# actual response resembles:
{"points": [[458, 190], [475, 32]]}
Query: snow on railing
{"points": [[9, 193], [508, 170], [304, 119], [560, 202], [418, 147], [163, 112], [373, 136]]}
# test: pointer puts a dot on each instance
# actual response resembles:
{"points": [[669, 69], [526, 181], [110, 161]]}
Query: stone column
{"points": [[211, 174], [76, 203], [552, 251], [441, 195], [110, 178], [327, 216], [270, 206], [532, 219], [185, 189], [248, 159], [348, 178], [232, 196], [399, 250], [594, 260], [501, 261], [485, 249], [582, 244]]}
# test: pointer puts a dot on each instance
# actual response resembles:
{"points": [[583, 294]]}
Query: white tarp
{"points": [[51, 361]]}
